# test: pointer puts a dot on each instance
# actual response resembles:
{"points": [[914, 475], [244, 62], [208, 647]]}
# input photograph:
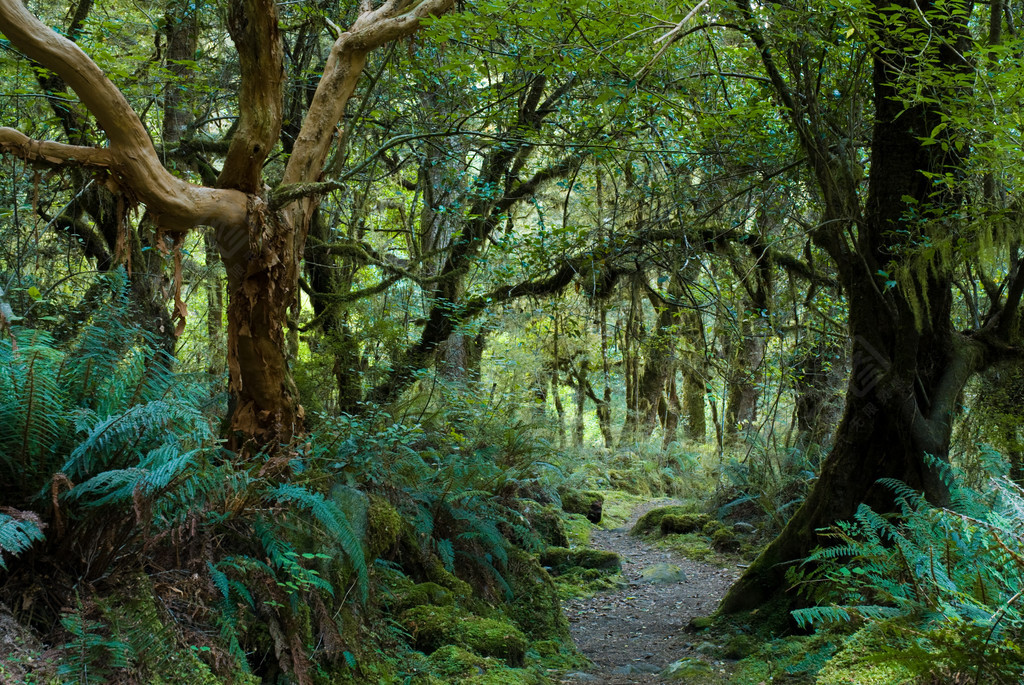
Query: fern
{"points": [[335, 525], [18, 530], [941, 572]]}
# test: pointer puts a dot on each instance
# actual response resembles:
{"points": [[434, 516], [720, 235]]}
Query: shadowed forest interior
{"points": [[437, 341]]}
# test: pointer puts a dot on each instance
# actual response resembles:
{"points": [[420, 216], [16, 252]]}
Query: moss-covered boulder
{"points": [[453, 664], [687, 669], [383, 527], [586, 502], [674, 524], [535, 606], [629, 481], [561, 560], [547, 522], [651, 521], [437, 573], [433, 627], [419, 594], [725, 540]]}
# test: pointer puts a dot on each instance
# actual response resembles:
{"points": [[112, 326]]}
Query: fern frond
{"points": [[336, 525], [18, 530]]}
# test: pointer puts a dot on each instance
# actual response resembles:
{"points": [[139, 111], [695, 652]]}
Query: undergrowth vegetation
{"points": [[168, 559], [920, 594]]}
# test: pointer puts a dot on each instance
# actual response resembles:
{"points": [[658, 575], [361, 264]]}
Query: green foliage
{"points": [[946, 582], [18, 530], [95, 429]]}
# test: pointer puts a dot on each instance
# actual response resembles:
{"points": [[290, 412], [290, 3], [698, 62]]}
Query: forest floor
{"points": [[632, 634]]}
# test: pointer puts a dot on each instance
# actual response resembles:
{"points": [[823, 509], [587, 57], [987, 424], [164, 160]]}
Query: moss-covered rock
{"points": [[662, 573], [577, 528], [725, 540], [560, 560], [419, 594], [433, 627], [700, 623], [682, 523], [535, 606], [383, 527], [686, 669], [437, 573], [711, 527], [586, 502], [651, 521], [547, 523], [690, 545], [452, 664], [629, 481]]}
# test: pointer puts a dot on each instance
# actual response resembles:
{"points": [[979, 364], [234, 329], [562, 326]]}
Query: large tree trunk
{"points": [[908, 366], [818, 379]]}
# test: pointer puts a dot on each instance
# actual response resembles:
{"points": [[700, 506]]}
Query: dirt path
{"points": [[632, 634]]}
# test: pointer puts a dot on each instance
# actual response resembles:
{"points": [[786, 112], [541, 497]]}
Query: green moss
{"points": [[630, 482], [740, 647], [618, 507], [682, 523], [187, 667], [433, 627], [437, 573], [709, 528], [794, 660], [547, 523], [687, 670], [577, 529], [701, 622], [724, 540], [383, 527], [420, 594], [456, 665], [535, 605], [589, 503], [452, 661], [856, 661], [560, 560], [651, 521], [690, 545]]}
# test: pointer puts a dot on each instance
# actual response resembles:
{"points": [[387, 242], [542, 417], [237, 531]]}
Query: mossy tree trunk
{"points": [[908, 363]]}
